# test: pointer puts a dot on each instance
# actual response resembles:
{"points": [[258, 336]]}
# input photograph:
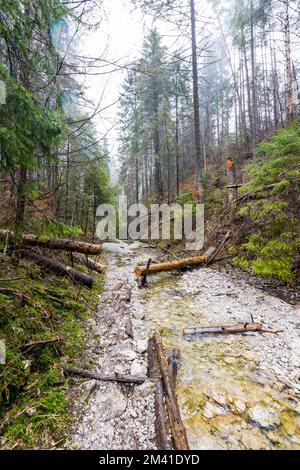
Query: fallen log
{"points": [[163, 441], [175, 264], [240, 328], [60, 244], [89, 263], [178, 431], [174, 361], [57, 267], [104, 378]]}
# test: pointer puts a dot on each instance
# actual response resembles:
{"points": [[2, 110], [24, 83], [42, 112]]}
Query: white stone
{"points": [[138, 368], [138, 314], [128, 354], [210, 410], [142, 346], [266, 417], [111, 403]]}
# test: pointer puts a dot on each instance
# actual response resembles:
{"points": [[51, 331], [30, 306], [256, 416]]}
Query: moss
{"points": [[271, 218]]}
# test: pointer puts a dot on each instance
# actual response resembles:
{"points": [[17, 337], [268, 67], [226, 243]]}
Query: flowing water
{"points": [[234, 391]]}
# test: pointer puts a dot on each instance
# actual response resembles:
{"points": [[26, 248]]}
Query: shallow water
{"points": [[228, 396]]}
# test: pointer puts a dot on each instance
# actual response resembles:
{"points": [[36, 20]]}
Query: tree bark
{"points": [[178, 431], [57, 267], [60, 244], [174, 264], [288, 62], [160, 421], [199, 164]]}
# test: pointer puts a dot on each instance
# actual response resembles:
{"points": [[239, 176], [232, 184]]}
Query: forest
{"points": [[166, 102]]}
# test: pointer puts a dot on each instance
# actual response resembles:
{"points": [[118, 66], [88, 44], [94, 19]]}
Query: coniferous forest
{"points": [[139, 343]]}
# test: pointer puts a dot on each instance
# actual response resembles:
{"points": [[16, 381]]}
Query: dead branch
{"points": [[103, 378], [240, 328]]}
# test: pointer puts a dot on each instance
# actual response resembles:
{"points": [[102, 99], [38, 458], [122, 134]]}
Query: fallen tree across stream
{"points": [[57, 267], [174, 264], [60, 244], [240, 328]]}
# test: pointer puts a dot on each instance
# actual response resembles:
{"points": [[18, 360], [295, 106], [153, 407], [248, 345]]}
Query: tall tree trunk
{"points": [[156, 144], [199, 164], [177, 137], [288, 62], [253, 84], [21, 199]]}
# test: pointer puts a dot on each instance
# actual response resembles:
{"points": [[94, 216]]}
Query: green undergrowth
{"points": [[270, 216], [33, 391]]}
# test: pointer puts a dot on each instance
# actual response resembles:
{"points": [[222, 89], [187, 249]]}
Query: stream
{"points": [[234, 391]]}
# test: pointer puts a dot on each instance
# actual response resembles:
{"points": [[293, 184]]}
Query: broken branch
{"points": [[104, 378], [240, 328]]}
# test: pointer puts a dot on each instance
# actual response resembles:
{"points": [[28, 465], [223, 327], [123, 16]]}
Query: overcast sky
{"points": [[119, 39]]}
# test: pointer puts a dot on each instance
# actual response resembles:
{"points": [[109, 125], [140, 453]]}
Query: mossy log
{"points": [[60, 244], [57, 267], [178, 431], [176, 264]]}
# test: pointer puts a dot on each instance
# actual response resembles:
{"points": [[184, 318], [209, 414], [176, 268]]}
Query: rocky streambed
{"points": [[234, 391]]}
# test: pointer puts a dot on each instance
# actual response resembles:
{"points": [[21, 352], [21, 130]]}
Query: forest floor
{"points": [[234, 392]]}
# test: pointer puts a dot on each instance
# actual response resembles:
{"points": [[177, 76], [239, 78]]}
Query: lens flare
{"points": [[60, 36]]}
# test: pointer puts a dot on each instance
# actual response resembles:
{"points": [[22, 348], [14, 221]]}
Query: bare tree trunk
{"points": [[288, 62], [177, 138], [199, 164], [21, 199], [254, 100]]}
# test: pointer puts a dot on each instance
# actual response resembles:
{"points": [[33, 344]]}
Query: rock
{"points": [[142, 346], [120, 369], [86, 389], [252, 440], [147, 388], [138, 314], [128, 354], [133, 414], [199, 436], [111, 403], [118, 286], [138, 368], [240, 405], [265, 417]]}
